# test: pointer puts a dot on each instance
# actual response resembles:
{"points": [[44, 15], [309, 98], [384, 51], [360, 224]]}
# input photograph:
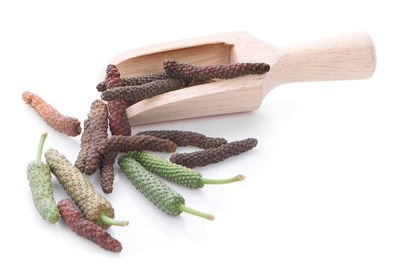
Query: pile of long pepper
{"points": [[87, 212]]}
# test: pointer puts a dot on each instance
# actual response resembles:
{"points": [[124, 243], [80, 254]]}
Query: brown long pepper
{"points": [[211, 156], [137, 142], [119, 125], [86, 228], [107, 171], [99, 126], [113, 78], [187, 138], [191, 73], [134, 94], [135, 81], [63, 124], [80, 162], [118, 119]]}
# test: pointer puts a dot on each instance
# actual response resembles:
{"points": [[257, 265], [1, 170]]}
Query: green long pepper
{"points": [[176, 173], [165, 198], [39, 177]]}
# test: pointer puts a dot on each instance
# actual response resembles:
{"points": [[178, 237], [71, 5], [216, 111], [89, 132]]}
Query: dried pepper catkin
{"points": [[63, 124], [113, 77], [118, 119], [107, 171], [93, 205], [176, 173], [134, 143], [80, 162], [191, 73], [135, 81], [85, 228], [119, 123], [164, 197], [39, 177], [98, 126], [187, 138], [134, 94], [211, 156]]}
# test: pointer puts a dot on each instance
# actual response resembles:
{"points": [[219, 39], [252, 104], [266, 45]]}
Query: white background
{"points": [[322, 187]]}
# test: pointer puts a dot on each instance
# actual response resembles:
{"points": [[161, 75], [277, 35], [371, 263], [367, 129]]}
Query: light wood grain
{"points": [[345, 57]]}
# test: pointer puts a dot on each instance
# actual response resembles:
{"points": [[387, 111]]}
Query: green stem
{"points": [[109, 221], [188, 210], [40, 148], [231, 180]]}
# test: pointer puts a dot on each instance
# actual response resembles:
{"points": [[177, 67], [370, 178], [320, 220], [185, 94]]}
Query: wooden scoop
{"points": [[340, 58]]}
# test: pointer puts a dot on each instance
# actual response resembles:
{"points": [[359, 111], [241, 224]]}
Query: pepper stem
{"points": [[188, 210], [224, 181], [40, 148], [109, 221]]}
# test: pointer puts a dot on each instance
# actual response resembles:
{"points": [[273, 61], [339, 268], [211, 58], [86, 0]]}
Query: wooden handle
{"points": [[340, 58]]}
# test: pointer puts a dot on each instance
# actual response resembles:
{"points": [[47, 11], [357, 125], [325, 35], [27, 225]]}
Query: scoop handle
{"points": [[343, 57]]}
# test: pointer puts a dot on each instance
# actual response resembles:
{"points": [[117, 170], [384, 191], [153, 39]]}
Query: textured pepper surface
{"points": [[211, 156], [164, 197], [78, 188], [135, 81], [119, 123], [191, 73], [187, 138], [85, 228], [80, 162], [134, 94], [135, 143], [63, 124], [39, 177], [98, 125], [113, 77], [107, 172], [170, 171]]}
